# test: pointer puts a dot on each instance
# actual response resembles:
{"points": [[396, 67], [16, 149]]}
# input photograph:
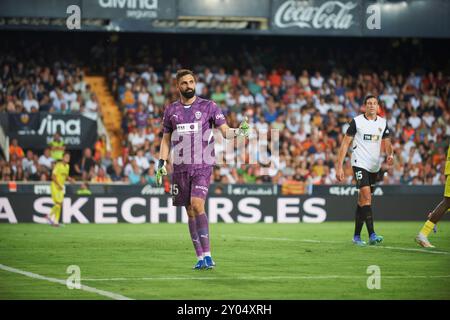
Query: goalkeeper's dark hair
{"points": [[184, 72]]}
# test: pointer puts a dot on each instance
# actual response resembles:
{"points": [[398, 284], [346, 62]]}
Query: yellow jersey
{"points": [[447, 163], [57, 154], [61, 172]]}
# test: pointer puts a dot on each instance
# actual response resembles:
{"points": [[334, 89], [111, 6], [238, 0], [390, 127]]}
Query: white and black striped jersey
{"points": [[367, 135]]}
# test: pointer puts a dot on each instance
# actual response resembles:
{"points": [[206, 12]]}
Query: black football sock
{"points": [[369, 219], [359, 220]]}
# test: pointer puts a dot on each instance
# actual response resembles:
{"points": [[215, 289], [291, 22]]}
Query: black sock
{"points": [[369, 218], [359, 220]]}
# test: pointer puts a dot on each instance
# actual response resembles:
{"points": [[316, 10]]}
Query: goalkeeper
{"points": [[186, 122]]}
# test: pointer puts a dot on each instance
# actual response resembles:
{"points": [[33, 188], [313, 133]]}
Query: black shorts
{"points": [[365, 178]]}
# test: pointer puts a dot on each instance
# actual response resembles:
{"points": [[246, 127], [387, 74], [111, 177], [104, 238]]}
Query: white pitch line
{"points": [[262, 278], [108, 294], [411, 249], [287, 239], [320, 241]]}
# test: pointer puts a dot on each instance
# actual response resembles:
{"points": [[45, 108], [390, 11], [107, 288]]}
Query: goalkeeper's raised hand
{"points": [[244, 128], [160, 172]]}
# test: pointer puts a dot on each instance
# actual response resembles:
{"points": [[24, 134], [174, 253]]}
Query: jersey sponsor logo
{"points": [[371, 137], [187, 127], [203, 188], [198, 115], [220, 116]]}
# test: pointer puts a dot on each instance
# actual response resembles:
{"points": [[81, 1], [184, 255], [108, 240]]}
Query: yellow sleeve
{"points": [[56, 170], [447, 163]]}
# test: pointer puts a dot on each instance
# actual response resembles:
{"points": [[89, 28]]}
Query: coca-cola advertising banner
{"points": [[317, 17], [413, 18], [36, 130]]}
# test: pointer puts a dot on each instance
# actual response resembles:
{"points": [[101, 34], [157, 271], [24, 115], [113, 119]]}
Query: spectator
{"points": [[246, 98], [115, 171], [91, 107], [29, 166], [141, 161], [134, 176], [84, 190], [275, 79], [46, 160], [7, 174], [101, 176], [100, 149], [150, 177], [272, 114], [141, 117], [30, 102], [316, 81], [15, 149], [107, 160], [86, 164], [57, 147], [138, 139], [414, 120]]}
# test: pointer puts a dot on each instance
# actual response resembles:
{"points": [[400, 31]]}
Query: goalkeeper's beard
{"points": [[188, 94]]}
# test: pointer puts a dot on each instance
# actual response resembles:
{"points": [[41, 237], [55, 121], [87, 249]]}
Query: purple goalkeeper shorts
{"points": [[190, 184]]}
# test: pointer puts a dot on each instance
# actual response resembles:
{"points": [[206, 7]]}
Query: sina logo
{"points": [[50, 126]]}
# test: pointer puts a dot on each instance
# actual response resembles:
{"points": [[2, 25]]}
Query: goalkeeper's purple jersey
{"points": [[192, 135]]}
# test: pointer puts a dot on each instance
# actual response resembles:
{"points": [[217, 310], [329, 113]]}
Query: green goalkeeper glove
{"points": [[244, 128], [160, 172]]}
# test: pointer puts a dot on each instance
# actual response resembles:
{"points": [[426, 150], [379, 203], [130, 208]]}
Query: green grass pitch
{"points": [[254, 261]]}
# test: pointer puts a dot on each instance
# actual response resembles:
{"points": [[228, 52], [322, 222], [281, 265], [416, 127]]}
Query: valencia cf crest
{"points": [[24, 118], [198, 115]]}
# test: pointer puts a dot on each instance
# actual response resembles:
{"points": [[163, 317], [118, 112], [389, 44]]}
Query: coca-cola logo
{"points": [[329, 15]]}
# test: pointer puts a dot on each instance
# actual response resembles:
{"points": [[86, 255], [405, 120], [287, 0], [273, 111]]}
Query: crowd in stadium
{"points": [[311, 109]]}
